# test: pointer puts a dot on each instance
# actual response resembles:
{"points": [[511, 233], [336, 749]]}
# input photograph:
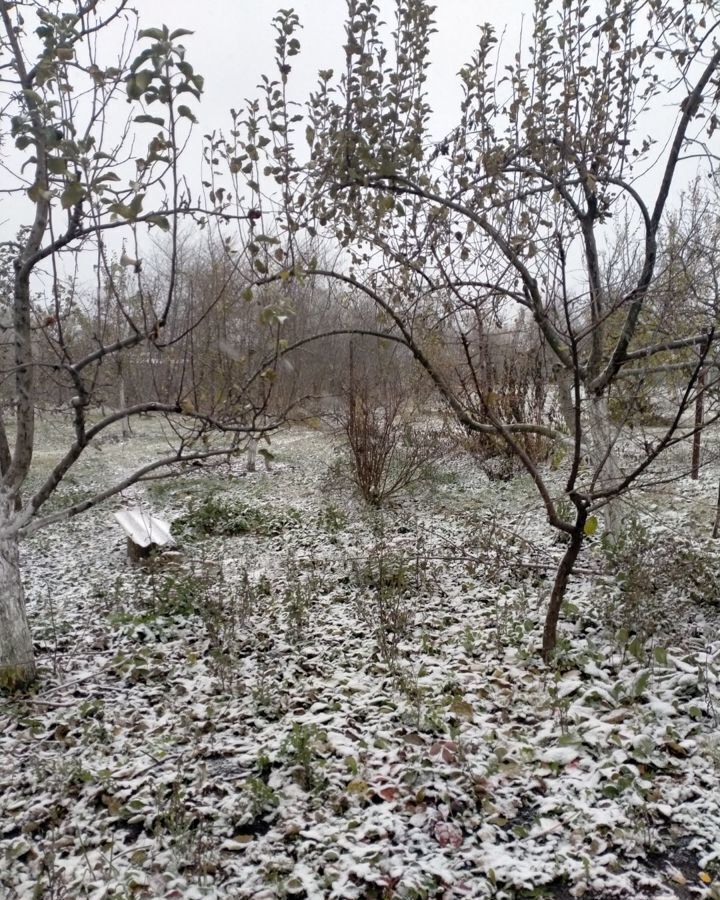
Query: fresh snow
{"points": [[278, 742]]}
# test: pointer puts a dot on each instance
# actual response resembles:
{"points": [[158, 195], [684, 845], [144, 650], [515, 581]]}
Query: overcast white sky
{"points": [[233, 44]]}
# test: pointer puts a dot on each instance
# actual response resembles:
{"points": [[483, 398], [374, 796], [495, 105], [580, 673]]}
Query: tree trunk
{"points": [[17, 659], [716, 525], [699, 414], [252, 454], [560, 586], [564, 384], [604, 459], [126, 433]]}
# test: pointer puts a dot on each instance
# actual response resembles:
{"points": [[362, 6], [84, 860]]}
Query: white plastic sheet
{"points": [[144, 529]]}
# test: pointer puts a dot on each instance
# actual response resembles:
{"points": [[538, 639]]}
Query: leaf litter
{"points": [[351, 704]]}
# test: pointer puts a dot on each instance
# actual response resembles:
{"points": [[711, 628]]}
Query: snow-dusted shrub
{"points": [[302, 750], [226, 612], [388, 455], [175, 594], [389, 579], [391, 445], [303, 585], [659, 576], [332, 519], [226, 517], [516, 387], [261, 799], [495, 458]]}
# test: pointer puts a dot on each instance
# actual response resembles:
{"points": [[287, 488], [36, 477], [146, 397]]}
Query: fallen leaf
{"points": [[676, 749], [237, 841], [387, 793], [444, 750], [448, 835], [462, 709], [357, 786]]}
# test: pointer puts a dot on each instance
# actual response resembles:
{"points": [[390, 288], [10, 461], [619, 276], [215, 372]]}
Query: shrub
{"points": [[658, 576], [514, 384], [302, 751], [332, 520], [230, 518], [390, 580], [388, 454]]}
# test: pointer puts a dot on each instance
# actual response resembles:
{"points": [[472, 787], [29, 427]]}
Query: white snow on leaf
{"points": [[562, 755], [661, 707], [568, 686], [235, 728]]}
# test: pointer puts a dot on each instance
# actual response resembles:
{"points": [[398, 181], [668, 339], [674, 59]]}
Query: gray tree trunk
{"points": [[252, 454], [126, 433], [699, 415], [564, 382], [17, 658], [604, 459]]}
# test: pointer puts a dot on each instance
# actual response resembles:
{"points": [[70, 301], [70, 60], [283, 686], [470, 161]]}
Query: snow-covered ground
{"points": [[348, 704]]}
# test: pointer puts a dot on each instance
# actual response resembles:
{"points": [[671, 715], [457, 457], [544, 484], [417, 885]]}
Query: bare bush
{"points": [[511, 377], [389, 451]]}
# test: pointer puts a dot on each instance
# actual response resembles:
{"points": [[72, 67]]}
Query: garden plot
{"points": [[319, 700]]}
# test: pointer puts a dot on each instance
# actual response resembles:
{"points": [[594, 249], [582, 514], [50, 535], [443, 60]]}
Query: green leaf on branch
{"points": [[150, 120], [73, 194], [591, 526], [131, 211], [186, 113], [56, 165], [142, 58], [137, 84], [32, 97], [136, 205], [162, 222], [107, 176], [268, 316], [155, 34]]}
